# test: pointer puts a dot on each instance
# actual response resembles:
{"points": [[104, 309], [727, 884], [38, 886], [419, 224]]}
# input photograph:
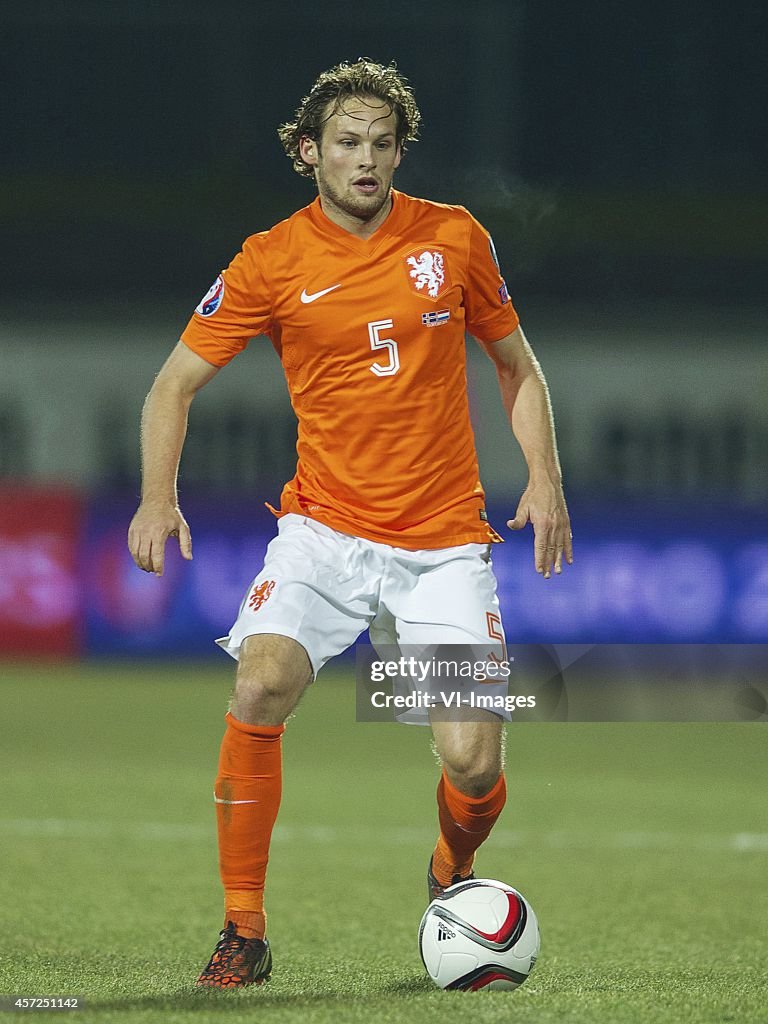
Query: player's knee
{"points": [[262, 687], [272, 674], [474, 776]]}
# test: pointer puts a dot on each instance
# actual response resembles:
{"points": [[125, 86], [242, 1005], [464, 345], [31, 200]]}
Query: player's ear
{"points": [[308, 150], [398, 156]]}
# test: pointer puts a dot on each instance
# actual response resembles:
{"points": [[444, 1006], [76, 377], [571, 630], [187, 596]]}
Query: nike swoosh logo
{"points": [[306, 297], [218, 800]]}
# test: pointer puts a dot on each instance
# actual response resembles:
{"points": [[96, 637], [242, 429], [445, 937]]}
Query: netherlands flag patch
{"points": [[434, 319]]}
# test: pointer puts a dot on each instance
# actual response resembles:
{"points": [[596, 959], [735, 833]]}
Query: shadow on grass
{"points": [[201, 1000]]}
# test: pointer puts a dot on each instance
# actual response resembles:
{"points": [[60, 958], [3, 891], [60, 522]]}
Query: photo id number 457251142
{"points": [[32, 1003]]}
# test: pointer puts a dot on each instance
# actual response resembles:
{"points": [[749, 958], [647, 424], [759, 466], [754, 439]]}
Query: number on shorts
{"points": [[495, 632]]}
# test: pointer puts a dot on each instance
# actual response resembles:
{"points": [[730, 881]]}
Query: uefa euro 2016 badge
{"points": [[211, 301]]}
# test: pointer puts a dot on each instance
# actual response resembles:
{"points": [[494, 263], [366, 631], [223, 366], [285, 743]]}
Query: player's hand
{"points": [[543, 505], [149, 530]]}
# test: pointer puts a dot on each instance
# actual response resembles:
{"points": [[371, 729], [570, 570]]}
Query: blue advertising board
{"points": [[665, 574]]}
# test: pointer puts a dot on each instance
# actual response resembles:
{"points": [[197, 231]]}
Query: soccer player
{"points": [[366, 295]]}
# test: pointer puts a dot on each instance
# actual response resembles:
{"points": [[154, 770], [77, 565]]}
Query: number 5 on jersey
{"points": [[375, 327]]}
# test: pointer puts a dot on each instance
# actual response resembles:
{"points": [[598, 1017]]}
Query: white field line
{"points": [[565, 839]]}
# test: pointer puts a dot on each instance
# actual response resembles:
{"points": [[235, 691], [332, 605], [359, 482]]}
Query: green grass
{"points": [[642, 847]]}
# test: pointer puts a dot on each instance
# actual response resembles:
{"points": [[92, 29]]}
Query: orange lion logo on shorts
{"points": [[261, 594]]}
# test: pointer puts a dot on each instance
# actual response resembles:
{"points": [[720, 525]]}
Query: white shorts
{"points": [[323, 588]]}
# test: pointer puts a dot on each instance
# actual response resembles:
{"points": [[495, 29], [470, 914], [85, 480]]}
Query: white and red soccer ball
{"points": [[479, 934]]}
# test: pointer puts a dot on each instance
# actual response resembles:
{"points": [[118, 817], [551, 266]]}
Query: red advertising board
{"points": [[40, 611]]}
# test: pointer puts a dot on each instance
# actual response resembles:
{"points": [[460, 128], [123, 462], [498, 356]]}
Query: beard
{"points": [[362, 207]]}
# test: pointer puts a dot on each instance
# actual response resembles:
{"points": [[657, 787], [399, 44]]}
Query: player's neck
{"points": [[354, 225]]}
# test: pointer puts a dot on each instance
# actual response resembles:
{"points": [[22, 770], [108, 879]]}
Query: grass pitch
{"points": [[642, 847]]}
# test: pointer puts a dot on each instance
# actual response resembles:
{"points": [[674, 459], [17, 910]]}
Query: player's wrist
{"points": [[545, 473], [155, 503]]}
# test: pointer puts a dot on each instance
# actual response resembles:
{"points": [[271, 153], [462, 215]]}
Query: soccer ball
{"points": [[479, 934]]}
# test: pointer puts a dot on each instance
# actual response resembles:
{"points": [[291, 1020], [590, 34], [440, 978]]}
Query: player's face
{"points": [[357, 157]]}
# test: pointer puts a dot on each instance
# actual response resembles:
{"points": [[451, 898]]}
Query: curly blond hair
{"points": [[363, 78]]}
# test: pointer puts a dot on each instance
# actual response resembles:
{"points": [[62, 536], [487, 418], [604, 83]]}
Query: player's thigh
{"points": [[275, 663], [274, 657]]}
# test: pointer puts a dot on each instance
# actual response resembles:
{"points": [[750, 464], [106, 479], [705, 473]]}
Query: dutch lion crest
{"points": [[428, 272]]}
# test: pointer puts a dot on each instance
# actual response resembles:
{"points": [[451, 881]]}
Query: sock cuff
{"points": [[493, 799], [249, 924], [243, 901], [265, 732]]}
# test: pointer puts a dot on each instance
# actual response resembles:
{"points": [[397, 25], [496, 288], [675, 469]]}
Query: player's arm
{"points": [[163, 429], [525, 396]]}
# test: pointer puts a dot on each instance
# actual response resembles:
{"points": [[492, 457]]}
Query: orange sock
{"points": [[247, 794], [465, 823]]}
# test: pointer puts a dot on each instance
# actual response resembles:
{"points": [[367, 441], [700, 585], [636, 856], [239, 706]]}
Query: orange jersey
{"points": [[370, 333]]}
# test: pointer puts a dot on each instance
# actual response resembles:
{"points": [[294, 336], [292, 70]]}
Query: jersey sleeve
{"points": [[236, 308], [490, 315]]}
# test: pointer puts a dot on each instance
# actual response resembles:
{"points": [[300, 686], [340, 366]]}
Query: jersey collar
{"points": [[361, 245]]}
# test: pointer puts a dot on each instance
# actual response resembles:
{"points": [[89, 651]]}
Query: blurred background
{"points": [[618, 155]]}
